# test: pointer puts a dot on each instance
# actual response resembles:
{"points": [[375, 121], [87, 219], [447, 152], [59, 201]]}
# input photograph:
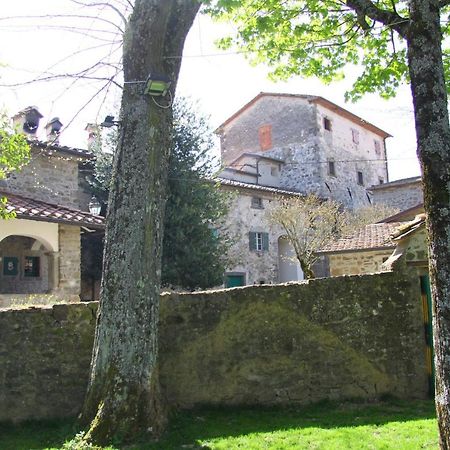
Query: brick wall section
{"points": [[69, 261], [356, 263], [335, 338]]}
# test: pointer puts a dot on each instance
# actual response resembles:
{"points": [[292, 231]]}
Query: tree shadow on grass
{"points": [[187, 428]]}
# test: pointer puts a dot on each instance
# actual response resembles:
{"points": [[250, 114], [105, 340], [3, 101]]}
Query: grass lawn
{"points": [[390, 425]]}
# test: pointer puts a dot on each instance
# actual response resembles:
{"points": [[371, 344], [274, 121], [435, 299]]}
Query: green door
{"points": [[234, 280], [428, 325]]}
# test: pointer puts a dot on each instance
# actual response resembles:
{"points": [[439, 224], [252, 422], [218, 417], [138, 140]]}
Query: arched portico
{"points": [[28, 264], [288, 267]]}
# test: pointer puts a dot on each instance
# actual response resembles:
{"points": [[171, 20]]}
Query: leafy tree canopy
{"points": [[321, 37], [193, 250], [14, 154]]}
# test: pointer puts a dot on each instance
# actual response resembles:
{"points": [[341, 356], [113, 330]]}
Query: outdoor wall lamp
{"points": [[95, 206], [109, 122]]}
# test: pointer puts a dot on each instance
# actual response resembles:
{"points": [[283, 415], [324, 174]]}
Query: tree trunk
{"points": [[122, 398], [433, 138]]}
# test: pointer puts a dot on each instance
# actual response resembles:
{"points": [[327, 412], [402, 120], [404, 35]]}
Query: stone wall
{"points": [[298, 136], [52, 179], [69, 261], [256, 266], [335, 338], [357, 262], [401, 194]]}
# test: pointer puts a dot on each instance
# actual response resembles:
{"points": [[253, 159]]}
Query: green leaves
{"points": [[14, 154], [319, 38]]}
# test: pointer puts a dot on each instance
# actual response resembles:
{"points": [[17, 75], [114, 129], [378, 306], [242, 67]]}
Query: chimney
{"points": [[27, 121], [53, 129], [93, 142]]}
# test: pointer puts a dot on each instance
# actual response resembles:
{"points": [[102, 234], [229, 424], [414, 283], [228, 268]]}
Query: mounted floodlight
{"points": [[109, 122], [95, 206], [157, 85]]}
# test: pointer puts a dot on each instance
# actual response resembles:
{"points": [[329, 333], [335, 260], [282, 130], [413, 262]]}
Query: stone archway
{"points": [[288, 268], [26, 266]]}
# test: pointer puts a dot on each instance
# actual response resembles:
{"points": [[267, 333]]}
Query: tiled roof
{"points": [[257, 187], [50, 148], [30, 209], [371, 237]]}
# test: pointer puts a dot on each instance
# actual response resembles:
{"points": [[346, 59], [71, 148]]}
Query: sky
{"points": [[218, 82]]}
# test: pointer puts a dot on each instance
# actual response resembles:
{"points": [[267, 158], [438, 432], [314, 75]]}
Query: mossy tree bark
{"points": [[433, 137], [122, 398]]}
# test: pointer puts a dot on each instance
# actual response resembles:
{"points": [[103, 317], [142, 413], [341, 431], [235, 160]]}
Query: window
{"points": [[377, 146], [32, 266], [360, 178], [355, 136], [257, 203], [331, 169], [327, 123], [380, 180], [258, 241], [265, 137], [274, 171]]}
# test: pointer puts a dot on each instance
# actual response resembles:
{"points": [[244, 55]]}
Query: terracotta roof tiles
{"points": [[31, 209]]}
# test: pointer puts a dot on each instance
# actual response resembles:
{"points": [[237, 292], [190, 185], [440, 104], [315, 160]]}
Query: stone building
{"points": [[305, 144], [283, 144], [260, 253], [40, 248], [402, 194]]}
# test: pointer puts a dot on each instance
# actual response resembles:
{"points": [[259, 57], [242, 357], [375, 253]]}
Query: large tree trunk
{"points": [[122, 398], [433, 137]]}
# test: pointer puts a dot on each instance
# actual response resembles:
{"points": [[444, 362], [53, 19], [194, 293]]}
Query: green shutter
{"points": [[252, 240], [265, 241]]}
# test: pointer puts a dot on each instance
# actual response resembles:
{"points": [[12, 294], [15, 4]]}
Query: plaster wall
{"points": [[46, 232]]}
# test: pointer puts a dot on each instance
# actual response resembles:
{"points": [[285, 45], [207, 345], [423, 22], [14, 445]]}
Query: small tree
{"points": [[194, 255], [14, 154], [310, 223]]}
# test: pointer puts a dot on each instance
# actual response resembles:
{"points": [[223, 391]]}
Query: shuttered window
{"points": [[258, 241]]}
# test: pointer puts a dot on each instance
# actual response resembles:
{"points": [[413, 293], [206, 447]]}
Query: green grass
{"points": [[391, 425]]}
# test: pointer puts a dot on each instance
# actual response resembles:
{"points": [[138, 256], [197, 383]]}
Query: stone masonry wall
{"points": [[355, 263], [400, 196], [52, 179], [334, 338], [69, 262]]}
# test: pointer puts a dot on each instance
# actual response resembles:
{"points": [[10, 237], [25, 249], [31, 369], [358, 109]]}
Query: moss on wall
{"points": [[358, 336]]}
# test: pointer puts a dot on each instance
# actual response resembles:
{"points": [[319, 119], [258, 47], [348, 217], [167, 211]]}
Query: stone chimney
{"points": [[53, 129], [93, 142], [27, 121]]}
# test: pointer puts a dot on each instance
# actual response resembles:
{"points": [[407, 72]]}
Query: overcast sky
{"points": [[221, 82]]}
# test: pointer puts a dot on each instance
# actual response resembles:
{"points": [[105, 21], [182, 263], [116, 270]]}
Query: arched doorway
{"points": [[288, 267], [25, 266]]}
